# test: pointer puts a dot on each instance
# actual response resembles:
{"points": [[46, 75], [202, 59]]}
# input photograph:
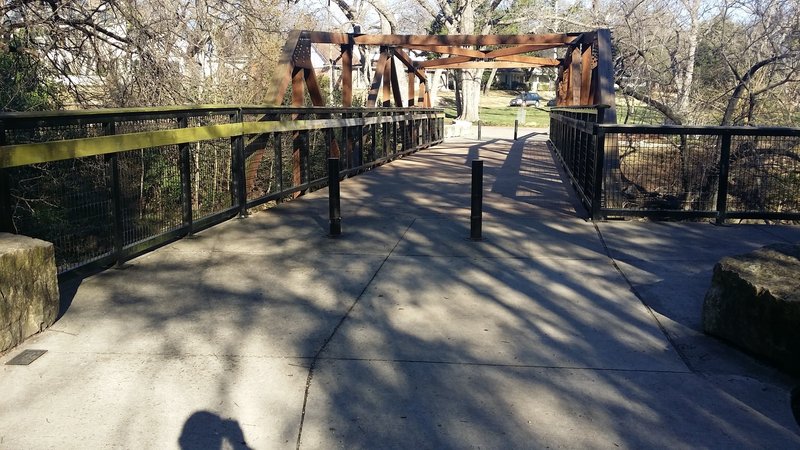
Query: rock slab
{"points": [[754, 302], [29, 298]]}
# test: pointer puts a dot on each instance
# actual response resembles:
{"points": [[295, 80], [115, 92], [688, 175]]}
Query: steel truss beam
{"points": [[585, 74]]}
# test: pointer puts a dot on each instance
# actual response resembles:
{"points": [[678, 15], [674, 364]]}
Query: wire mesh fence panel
{"points": [[289, 155], [575, 144], [67, 203], [150, 192], [261, 167], [318, 155], [764, 174], [397, 137], [139, 125], [209, 119], [34, 132], [384, 131], [138, 186], [211, 177], [340, 137], [369, 141], [663, 172]]}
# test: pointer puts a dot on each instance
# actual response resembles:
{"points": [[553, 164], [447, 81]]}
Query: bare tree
{"points": [[147, 52], [762, 55], [744, 52]]}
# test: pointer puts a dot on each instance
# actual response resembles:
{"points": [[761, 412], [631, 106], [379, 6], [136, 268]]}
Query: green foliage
{"points": [[23, 86]]}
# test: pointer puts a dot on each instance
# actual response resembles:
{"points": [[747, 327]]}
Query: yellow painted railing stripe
{"points": [[24, 154]]}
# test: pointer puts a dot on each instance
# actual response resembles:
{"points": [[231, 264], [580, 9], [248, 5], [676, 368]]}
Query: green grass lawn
{"points": [[495, 111], [640, 114]]}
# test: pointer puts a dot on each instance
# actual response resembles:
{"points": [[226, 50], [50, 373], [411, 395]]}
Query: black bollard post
{"points": [[479, 130], [476, 213], [334, 209], [516, 124]]}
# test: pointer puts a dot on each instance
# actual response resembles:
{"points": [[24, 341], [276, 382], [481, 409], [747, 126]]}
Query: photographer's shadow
{"points": [[206, 430]]}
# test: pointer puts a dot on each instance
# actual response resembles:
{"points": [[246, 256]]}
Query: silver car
{"points": [[529, 98]]}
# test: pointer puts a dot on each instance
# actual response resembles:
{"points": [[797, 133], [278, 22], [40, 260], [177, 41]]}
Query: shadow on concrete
{"points": [[66, 293], [530, 339], [205, 430]]}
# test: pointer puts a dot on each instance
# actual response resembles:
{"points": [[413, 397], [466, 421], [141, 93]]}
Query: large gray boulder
{"points": [[754, 302], [29, 299]]}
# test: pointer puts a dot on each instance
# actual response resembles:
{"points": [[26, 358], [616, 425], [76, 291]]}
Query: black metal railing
{"points": [[572, 134], [679, 172], [107, 185]]}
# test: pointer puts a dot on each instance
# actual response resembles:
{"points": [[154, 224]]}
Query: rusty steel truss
{"points": [[585, 72]]}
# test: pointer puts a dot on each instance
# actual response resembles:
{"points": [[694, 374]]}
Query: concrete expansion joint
{"points": [[636, 293], [327, 341], [503, 365]]}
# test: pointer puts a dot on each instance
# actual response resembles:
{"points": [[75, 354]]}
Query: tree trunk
{"points": [[489, 82], [687, 79], [738, 91], [433, 88], [470, 94], [459, 93], [470, 78]]}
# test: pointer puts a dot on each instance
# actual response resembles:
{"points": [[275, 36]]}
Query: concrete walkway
{"points": [[264, 333]]}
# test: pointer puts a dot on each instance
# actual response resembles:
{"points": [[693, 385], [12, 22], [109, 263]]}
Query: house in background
{"points": [[326, 60], [515, 79]]}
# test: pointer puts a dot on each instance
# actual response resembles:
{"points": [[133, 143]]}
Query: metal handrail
{"points": [[121, 182], [15, 155]]}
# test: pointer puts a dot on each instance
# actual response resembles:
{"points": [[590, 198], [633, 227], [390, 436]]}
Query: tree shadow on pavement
{"points": [[422, 338]]}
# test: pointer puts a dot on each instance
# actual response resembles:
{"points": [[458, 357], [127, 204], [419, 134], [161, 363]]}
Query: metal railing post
{"points": [[6, 212], [349, 136], [599, 164], [330, 139], [358, 147], [278, 148], [186, 179], [116, 200], [476, 208], [724, 170], [428, 130], [239, 176], [516, 125], [118, 237], [373, 130], [394, 134], [384, 138], [403, 131], [306, 156], [334, 208]]}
